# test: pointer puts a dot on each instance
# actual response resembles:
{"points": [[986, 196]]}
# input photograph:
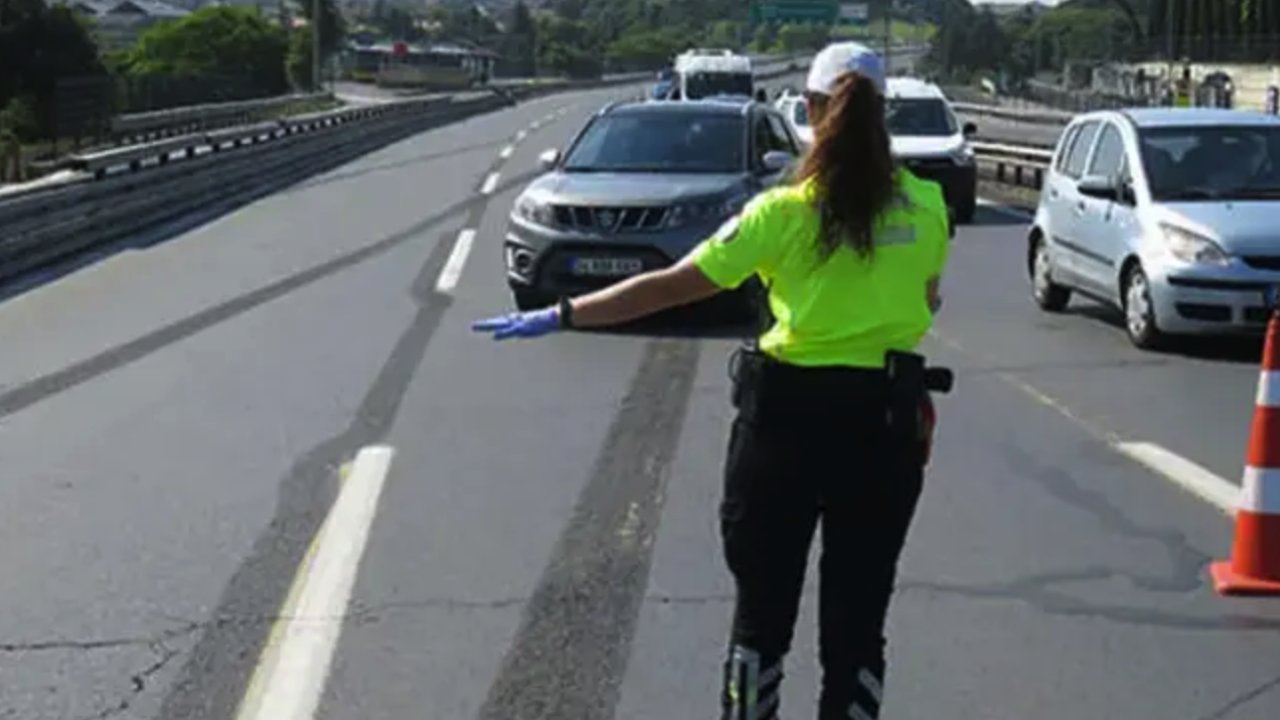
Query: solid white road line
{"points": [[1165, 463], [490, 183], [1185, 473], [452, 269], [506, 152], [291, 675]]}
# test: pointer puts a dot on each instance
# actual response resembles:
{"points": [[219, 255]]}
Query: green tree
{"points": [[645, 49], [519, 45], [764, 38], [567, 47], [40, 45], [215, 41]]}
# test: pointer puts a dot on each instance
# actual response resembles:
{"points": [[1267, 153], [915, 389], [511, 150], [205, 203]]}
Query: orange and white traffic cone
{"points": [[1254, 568]]}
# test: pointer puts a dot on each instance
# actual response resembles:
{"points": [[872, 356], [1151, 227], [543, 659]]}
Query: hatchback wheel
{"points": [[1048, 295], [1139, 311]]}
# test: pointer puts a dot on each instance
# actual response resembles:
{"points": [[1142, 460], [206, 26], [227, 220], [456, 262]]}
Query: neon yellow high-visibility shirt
{"points": [[847, 310]]}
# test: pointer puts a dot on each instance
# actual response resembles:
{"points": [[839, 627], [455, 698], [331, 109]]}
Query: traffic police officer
{"points": [[833, 417]]}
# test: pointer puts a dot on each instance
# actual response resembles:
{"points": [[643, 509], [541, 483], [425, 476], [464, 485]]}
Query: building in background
{"points": [[117, 23]]}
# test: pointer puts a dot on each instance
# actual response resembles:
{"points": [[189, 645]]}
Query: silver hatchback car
{"points": [[1171, 215], [639, 187]]}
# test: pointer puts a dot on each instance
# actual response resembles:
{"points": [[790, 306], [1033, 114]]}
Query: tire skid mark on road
{"points": [[31, 392], [238, 635], [570, 653]]}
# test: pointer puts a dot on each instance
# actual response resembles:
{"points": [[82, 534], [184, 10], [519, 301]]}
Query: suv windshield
{"points": [[661, 142], [1222, 162], [919, 117], [705, 84]]}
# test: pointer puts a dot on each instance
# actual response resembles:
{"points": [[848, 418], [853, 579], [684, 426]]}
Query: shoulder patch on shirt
{"points": [[897, 235]]}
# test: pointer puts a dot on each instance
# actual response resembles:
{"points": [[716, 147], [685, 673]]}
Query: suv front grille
{"points": [[610, 219]]}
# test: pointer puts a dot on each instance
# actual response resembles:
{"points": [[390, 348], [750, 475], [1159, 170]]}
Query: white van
{"points": [[700, 76]]}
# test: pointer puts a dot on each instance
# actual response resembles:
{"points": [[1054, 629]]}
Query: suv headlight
{"points": [[535, 211], [963, 155], [1192, 247], [708, 211]]}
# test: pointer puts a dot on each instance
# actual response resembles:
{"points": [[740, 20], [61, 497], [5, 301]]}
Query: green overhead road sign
{"points": [[781, 12]]}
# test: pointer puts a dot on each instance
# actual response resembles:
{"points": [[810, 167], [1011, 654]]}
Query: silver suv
{"points": [[640, 186]]}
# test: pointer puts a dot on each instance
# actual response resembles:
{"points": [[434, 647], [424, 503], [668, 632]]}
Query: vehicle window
{"points": [[1065, 150], [1220, 162], [705, 84], [764, 137], [660, 142], [1080, 150], [782, 139], [800, 114], [1108, 158], [920, 117]]}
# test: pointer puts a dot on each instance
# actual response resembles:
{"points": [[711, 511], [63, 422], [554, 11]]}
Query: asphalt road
{"points": [[176, 418]]}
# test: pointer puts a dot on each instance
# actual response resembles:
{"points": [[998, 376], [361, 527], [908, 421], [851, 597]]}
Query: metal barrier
{"points": [[113, 193], [1037, 117], [1015, 164]]}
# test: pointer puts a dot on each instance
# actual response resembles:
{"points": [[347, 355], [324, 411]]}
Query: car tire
{"points": [[528, 299], [1139, 312], [966, 210], [1049, 295]]}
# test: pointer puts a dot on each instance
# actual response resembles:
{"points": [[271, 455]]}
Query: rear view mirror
{"points": [[1099, 186], [776, 161], [549, 159], [970, 129]]}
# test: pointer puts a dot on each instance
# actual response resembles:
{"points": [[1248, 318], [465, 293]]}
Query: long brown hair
{"points": [[851, 165]]}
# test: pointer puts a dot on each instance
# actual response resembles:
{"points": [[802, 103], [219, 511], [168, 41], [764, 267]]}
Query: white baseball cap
{"points": [[838, 58]]}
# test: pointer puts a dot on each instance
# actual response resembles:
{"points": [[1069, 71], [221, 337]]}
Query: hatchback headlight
{"points": [[963, 155], [1192, 247], [535, 211]]}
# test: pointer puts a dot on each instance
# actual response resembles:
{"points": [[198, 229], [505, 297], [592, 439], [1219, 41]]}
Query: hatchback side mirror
{"points": [[970, 129], [549, 159], [776, 161]]}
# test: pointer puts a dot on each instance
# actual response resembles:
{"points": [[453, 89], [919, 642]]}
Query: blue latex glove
{"points": [[520, 325]]}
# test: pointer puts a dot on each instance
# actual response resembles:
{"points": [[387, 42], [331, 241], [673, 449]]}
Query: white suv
{"points": [[929, 139], [792, 106]]}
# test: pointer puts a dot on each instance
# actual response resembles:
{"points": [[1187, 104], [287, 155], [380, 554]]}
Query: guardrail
{"points": [[1056, 118], [1014, 164], [111, 194], [141, 127]]}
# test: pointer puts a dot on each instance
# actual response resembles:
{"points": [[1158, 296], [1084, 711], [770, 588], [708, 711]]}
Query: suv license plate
{"points": [[607, 267]]}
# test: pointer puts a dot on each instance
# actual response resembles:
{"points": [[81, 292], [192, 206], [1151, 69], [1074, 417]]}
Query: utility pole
{"points": [[315, 45]]}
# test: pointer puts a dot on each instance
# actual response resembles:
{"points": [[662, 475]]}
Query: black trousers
{"points": [[813, 450]]}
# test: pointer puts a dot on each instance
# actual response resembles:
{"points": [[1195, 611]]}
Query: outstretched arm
{"points": [[643, 294]]}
